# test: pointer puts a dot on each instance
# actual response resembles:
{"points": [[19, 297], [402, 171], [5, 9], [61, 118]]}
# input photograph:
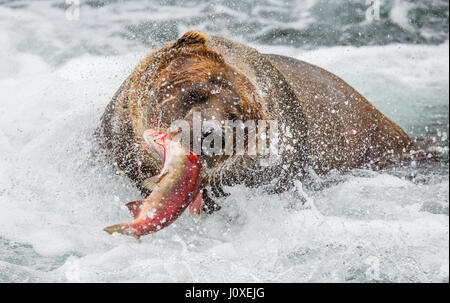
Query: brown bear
{"points": [[324, 123]]}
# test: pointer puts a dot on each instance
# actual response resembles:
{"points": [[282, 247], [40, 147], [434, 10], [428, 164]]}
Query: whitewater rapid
{"points": [[58, 192]]}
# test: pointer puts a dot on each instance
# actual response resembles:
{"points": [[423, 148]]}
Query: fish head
{"points": [[156, 138], [159, 138]]}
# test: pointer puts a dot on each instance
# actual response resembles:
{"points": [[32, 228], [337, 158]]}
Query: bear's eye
{"points": [[232, 116], [195, 95]]}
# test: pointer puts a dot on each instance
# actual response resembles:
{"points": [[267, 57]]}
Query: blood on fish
{"points": [[170, 196]]}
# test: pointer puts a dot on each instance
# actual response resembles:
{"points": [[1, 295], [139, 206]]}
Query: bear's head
{"points": [[188, 79]]}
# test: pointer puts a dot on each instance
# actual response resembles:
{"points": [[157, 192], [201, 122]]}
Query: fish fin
{"points": [[160, 177], [197, 205], [135, 207], [150, 183], [120, 229]]}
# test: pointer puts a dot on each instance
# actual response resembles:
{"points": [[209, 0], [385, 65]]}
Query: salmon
{"points": [[176, 187]]}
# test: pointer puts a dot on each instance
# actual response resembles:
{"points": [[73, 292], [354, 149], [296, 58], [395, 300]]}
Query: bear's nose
{"points": [[207, 130]]}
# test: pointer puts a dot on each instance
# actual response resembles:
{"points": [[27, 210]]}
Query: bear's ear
{"points": [[191, 37]]}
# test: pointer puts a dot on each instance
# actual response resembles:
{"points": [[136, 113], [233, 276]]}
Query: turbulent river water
{"points": [[58, 73]]}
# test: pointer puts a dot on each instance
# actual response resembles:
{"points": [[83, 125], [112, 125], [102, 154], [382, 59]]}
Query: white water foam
{"points": [[56, 197]]}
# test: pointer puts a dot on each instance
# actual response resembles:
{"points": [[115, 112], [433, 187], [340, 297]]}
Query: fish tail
{"points": [[120, 229]]}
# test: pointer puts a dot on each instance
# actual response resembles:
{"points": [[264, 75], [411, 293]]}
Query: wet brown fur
{"points": [[295, 93], [134, 109]]}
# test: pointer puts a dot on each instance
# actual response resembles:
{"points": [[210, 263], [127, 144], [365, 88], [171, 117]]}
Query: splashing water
{"points": [[57, 191]]}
